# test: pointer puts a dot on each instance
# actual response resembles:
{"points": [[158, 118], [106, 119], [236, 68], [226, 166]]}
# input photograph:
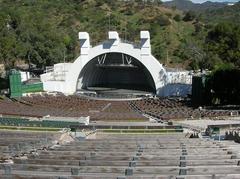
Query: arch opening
{"points": [[115, 71]]}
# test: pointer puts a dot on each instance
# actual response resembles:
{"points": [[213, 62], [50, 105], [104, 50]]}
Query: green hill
{"points": [[41, 31], [45, 32], [187, 5], [225, 14]]}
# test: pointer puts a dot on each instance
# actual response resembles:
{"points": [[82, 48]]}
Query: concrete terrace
{"points": [[165, 156]]}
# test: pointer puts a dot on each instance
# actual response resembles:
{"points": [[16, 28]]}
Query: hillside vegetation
{"points": [[45, 32], [226, 14], [41, 31], [187, 5]]}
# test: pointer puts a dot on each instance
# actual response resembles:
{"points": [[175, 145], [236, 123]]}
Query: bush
{"points": [[163, 20], [189, 16], [177, 18], [224, 41]]}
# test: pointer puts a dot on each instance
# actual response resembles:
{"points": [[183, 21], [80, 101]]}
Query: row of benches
{"points": [[131, 156]]}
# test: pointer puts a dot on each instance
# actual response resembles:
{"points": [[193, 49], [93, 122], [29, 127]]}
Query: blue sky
{"points": [[201, 1]]}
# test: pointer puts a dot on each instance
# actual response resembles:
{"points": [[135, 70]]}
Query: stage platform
{"points": [[114, 93]]}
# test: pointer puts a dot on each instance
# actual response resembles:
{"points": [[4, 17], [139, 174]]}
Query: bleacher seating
{"points": [[130, 156], [105, 110], [166, 108], [69, 106], [15, 143]]}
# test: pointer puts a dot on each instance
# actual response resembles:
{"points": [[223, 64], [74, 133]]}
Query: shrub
{"points": [[177, 18]]}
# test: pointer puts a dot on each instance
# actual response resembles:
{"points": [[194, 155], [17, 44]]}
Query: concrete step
{"points": [[165, 170], [173, 162]]}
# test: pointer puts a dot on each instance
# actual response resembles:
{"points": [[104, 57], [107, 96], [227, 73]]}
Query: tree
{"points": [[229, 93], [163, 20], [157, 2], [7, 47], [177, 18], [224, 41], [189, 16]]}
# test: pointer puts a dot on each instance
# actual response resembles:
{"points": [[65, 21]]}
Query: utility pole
{"points": [[167, 57], [125, 30], [109, 20], [64, 56]]}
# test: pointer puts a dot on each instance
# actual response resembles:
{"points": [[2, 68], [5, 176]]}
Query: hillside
{"points": [[43, 32], [226, 14], [187, 5]]}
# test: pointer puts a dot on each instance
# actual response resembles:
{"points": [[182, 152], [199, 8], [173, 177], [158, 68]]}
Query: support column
{"points": [[84, 43], [145, 43]]}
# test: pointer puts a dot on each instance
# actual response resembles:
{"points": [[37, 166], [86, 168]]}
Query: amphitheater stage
{"points": [[106, 92]]}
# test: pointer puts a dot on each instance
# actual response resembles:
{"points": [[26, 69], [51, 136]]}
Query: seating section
{"points": [[70, 106], [166, 108], [130, 156], [14, 143], [76, 106]]}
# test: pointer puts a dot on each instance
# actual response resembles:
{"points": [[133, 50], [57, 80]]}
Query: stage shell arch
{"points": [[67, 77]]}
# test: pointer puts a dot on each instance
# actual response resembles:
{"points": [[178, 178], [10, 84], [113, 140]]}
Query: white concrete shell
{"points": [[141, 52], [114, 45]]}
